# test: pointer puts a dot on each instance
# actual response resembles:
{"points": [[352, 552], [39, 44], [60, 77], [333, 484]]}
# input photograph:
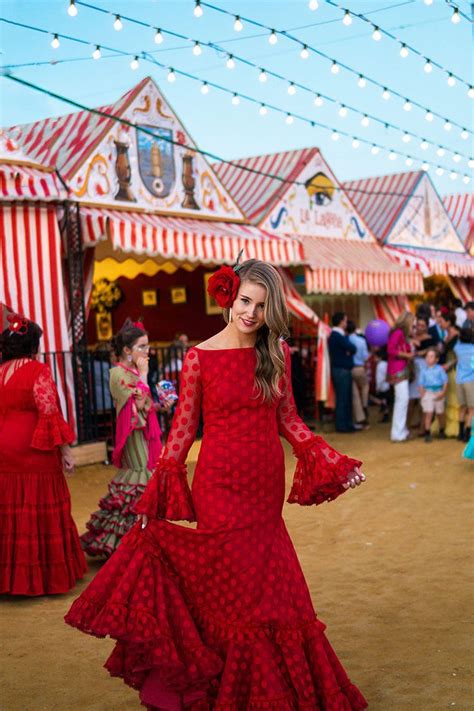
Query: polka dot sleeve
{"points": [[321, 471], [167, 494], [51, 430]]}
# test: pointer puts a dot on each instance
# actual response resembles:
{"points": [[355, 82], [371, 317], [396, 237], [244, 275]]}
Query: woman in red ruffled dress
{"points": [[137, 442], [40, 552], [219, 616]]}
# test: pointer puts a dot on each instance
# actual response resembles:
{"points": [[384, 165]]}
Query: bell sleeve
{"points": [[51, 430], [167, 494], [321, 472]]}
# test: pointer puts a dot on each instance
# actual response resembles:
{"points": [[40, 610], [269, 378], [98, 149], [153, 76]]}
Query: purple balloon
{"points": [[377, 332]]}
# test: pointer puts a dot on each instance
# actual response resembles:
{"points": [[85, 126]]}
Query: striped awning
{"points": [[295, 303], [407, 259], [460, 208], [353, 267], [20, 182], [184, 239], [443, 263]]}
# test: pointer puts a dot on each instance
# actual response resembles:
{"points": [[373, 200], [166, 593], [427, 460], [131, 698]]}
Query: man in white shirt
{"points": [[360, 381]]}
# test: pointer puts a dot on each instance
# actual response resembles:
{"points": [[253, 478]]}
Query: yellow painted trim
{"points": [[112, 269]]}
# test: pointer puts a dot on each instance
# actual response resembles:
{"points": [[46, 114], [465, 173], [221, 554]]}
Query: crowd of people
{"points": [[423, 375]]}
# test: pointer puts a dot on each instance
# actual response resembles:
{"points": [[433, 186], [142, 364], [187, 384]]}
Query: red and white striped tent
{"points": [[460, 208], [409, 219], [31, 269], [300, 197]]}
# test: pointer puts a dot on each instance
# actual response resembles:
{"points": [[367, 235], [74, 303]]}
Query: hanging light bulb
{"points": [[273, 39], [289, 119], [464, 134], [451, 80], [158, 36], [347, 19], [404, 51], [230, 64], [456, 158], [406, 138], [198, 9], [424, 145], [376, 34], [355, 143], [453, 175], [409, 161], [425, 166], [392, 155], [72, 9], [456, 17], [292, 89], [428, 67], [335, 67], [235, 100], [407, 105], [171, 75], [313, 4], [439, 170], [335, 136], [470, 163], [375, 150], [262, 76], [238, 26], [263, 111], [447, 125], [470, 92], [365, 121], [343, 111], [118, 25], [466, 180], [55, 42], [361, 82], [440, 151], [428, 2], [386, 94], [304, 54], [205, 88], [318, 100], [134, 63], [197, 49], [97, 54], [429, 116]]}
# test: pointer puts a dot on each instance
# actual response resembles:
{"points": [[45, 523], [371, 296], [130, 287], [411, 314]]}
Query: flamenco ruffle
{"points": [[51, 431], [115, 517], [40, 553], [167, 495], [320, 474], [169, 652]]}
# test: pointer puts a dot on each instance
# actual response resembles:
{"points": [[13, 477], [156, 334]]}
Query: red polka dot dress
{"points": [[219, 617]]}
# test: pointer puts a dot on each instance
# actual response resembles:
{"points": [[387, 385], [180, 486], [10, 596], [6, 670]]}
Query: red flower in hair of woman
{"points": [[223, 286], [138, 324], [17, 324]]}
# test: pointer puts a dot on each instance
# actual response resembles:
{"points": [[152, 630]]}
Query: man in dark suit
{"points": [[341, 352]]}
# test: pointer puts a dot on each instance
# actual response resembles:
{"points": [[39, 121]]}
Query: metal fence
{"points": [[94, 411]]}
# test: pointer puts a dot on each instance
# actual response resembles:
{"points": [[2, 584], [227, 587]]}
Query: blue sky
{"points": [[232, 131]]}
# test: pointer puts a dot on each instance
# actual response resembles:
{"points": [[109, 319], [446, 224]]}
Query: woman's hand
{"points": [[142, 365], [355, 479], [143, 519], [67, 459]]}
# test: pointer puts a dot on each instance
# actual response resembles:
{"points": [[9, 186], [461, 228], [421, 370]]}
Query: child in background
{"points": [[433, 386]]}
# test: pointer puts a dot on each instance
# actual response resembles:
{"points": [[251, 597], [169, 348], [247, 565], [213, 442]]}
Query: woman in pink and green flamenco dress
{"points": [[137, 443], [219, 617]]}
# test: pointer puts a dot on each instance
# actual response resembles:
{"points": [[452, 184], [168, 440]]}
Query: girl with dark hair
{"points": [[220, 617], [40, 553], [137, 442]]}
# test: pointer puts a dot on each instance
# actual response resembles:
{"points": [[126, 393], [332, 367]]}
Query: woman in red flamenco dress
{"points": [[219, 616], [40, 552]]}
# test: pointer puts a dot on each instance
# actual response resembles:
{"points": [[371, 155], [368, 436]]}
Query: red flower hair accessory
{"points": [[138, 324], [223, 286], [17, 324]]}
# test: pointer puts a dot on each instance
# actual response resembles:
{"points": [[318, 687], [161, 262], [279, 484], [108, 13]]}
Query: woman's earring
{"points": [[129, 358], [230, 315]]}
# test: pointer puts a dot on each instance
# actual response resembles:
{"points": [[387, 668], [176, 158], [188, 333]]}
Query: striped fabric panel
{"points": [[445, 263], [460, 208], [380, 200], [19, 182]]}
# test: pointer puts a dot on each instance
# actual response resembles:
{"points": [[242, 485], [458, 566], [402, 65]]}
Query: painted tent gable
{"points": [[10, 150], [144, 169], [318, 206], [424, 222]]}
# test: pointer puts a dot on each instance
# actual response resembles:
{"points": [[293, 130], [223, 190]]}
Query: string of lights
{"points": [[207, 154], [377, 34], [264, 108], [263, 74], [343, 109]]}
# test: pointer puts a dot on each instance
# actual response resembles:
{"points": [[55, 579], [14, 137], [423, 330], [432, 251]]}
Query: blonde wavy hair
{"points": [[404, 322], [270, 357]]}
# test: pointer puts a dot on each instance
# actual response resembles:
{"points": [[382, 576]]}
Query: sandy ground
{"points": [[389, 567]]}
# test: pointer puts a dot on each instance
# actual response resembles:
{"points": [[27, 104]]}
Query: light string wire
{"points": [[343, 107], [207, 154]]}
